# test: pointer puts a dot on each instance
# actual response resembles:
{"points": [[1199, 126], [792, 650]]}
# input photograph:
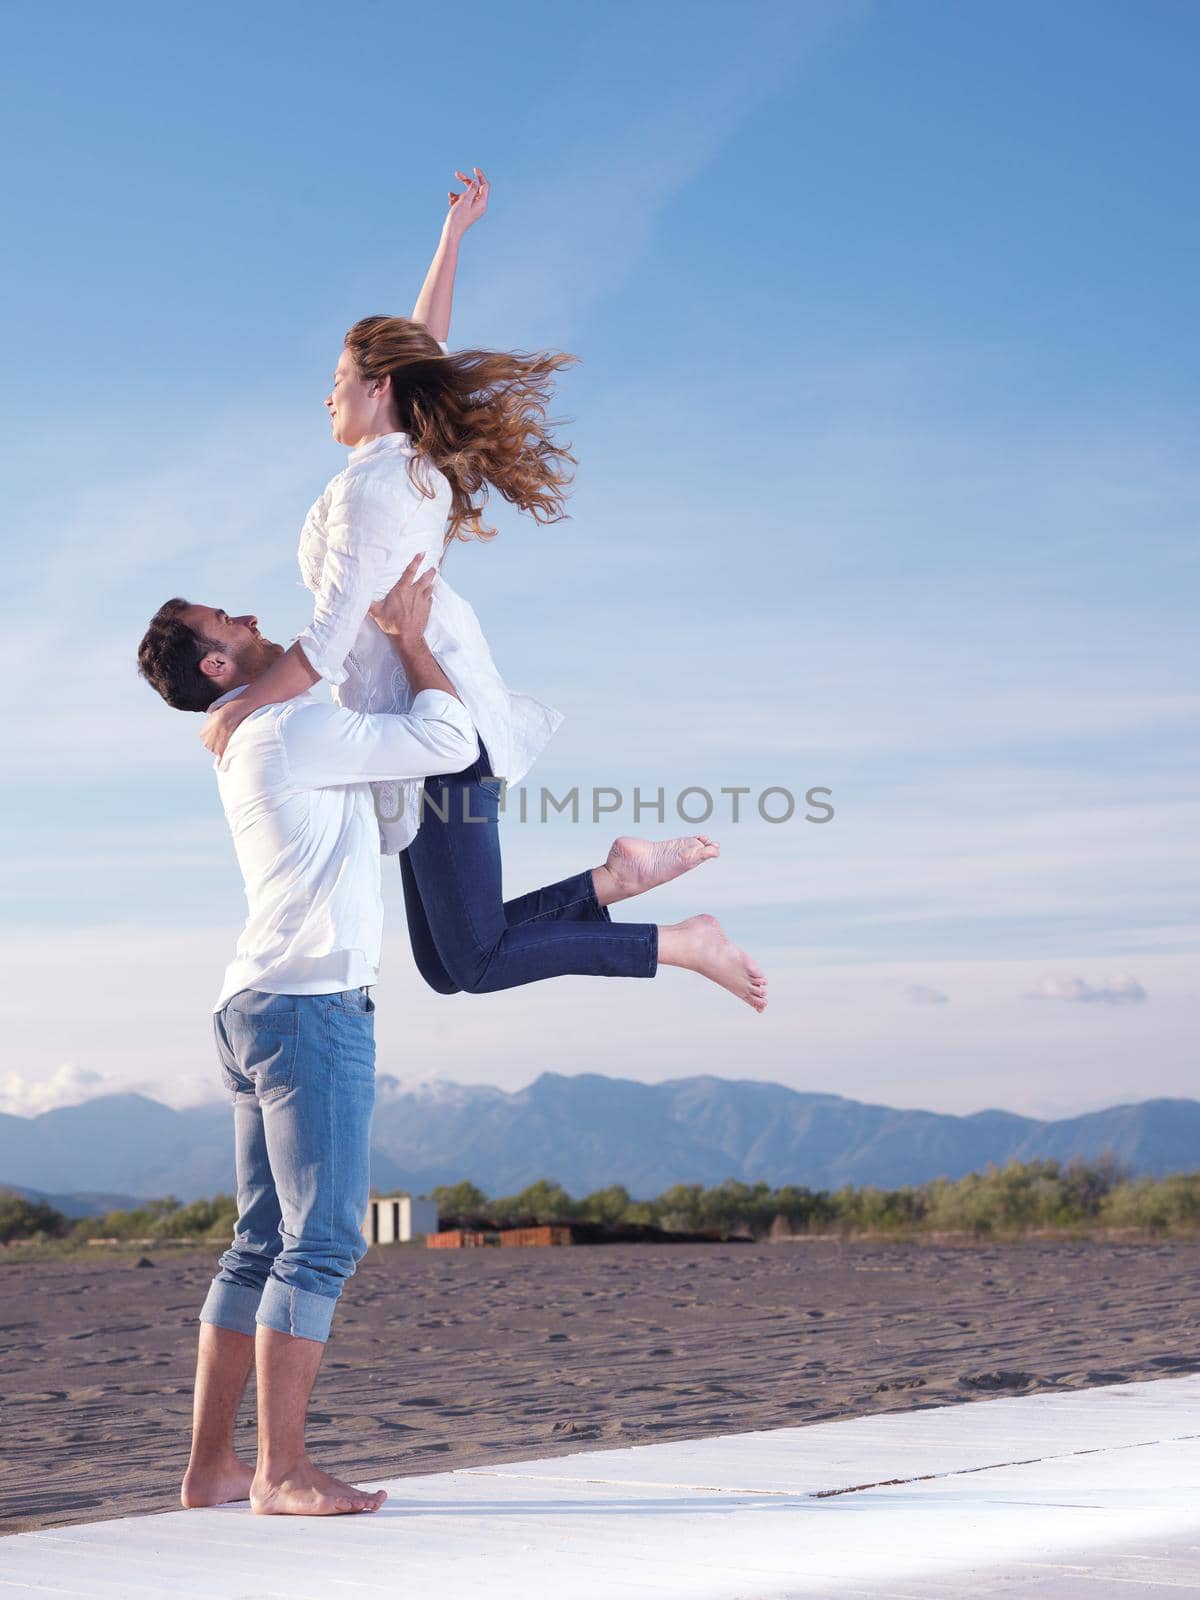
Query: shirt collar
{"points": [[228, 695], [385, 441]]}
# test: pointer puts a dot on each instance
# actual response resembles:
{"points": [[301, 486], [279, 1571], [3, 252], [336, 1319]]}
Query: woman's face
{"points": [[358, 411]]}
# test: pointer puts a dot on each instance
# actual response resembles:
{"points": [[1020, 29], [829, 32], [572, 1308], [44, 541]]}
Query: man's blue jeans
{"points": [[466, 937], [301, 1069]]}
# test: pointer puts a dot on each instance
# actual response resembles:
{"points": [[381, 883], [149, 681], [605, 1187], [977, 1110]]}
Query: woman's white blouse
{"points": [[357, 539]]}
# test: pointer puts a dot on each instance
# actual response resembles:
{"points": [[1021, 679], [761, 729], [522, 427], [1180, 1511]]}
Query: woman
{"points": [[429, 433]]}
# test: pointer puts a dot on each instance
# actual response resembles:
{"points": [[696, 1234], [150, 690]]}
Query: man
{"points": [[294, 1022]]}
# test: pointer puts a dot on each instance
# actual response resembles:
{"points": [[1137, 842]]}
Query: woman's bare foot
{"points": [[635, 865], [215, 1483], [701, 945], [306, 1491]]}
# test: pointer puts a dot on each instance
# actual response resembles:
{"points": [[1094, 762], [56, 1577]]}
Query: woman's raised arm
{"points": [[437, 292]]}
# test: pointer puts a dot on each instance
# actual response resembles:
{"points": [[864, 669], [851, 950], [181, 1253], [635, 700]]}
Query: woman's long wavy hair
{"points": [[478, 415]]}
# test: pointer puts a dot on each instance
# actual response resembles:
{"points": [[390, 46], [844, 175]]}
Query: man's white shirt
{"points": [[294, 783]]}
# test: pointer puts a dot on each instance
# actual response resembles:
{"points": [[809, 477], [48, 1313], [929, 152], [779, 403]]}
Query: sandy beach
{"points": [[445, 1359]]}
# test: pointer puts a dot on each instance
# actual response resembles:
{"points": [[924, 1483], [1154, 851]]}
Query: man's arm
{"points": [[328, 747], [437, 292]]}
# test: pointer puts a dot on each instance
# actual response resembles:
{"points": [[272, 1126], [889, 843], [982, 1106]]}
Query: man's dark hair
{"points": [[169, 659]]}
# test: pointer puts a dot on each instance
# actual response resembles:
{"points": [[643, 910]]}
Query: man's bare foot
{"points": [[306, 1491], [635, 865], [701, 945], [216, 1483]]}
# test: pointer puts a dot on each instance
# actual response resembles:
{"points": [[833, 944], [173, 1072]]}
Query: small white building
{"points": [[395, 1218]]}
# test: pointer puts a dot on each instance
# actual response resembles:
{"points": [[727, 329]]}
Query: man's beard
{"points": [[254, 658]]}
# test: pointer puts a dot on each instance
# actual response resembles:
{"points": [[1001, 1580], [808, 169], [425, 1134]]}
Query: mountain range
{"points": [[586, 1132], [76, 1205]]}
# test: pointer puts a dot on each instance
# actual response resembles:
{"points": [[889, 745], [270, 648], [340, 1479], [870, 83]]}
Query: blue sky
{"points": [[885, 417]]}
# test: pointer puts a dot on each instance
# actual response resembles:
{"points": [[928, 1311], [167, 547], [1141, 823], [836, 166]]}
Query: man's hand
{"points": [[404, 610], [469, 206], [403, 614]]}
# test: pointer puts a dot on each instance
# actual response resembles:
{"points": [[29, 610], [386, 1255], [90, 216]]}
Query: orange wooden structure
{"points": [[553, 1233]]}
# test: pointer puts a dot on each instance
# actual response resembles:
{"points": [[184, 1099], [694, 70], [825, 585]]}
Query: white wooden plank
{"points": [[826, 1457], [1121, 1519]]}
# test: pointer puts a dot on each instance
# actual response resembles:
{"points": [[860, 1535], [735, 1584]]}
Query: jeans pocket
{"points": [[352, 1037], [265, 1043], [231, 1080], [230, 1076], [352, 1000]]}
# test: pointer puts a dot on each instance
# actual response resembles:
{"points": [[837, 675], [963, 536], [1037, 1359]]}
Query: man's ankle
{"points": [[211, 1456], [274, 1468]]}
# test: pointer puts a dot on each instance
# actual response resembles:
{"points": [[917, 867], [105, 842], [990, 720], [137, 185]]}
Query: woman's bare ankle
{"points": [[677, 943], [606, 886]]}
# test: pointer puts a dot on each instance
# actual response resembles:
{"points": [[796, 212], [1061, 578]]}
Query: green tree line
{"points": [[1000, 1202], [156, 1219]]}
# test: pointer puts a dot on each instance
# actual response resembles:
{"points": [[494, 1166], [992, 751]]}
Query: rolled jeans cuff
{"points": [[231, 1305], [300, 1312]]}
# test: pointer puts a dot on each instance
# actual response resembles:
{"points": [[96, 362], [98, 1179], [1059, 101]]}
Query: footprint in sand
{"points": [[361, 1424], [999, 1380]]}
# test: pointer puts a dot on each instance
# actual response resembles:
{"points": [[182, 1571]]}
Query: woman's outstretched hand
{"points": [[219, 727], [469, 206]]}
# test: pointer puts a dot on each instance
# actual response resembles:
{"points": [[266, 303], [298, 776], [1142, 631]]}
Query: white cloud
{"points": [[140, 999], [1122, 990], [67, 1085], [921, 995]]}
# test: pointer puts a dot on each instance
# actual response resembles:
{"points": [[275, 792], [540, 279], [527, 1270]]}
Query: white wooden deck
{"points": [[1088, 1494]]}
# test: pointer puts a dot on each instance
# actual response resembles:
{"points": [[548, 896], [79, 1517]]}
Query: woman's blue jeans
{"points": [[466, 938], [301, 1070]]}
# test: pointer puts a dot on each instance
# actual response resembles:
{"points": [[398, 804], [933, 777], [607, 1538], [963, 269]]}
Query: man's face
{"points": [[241, 652]]}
